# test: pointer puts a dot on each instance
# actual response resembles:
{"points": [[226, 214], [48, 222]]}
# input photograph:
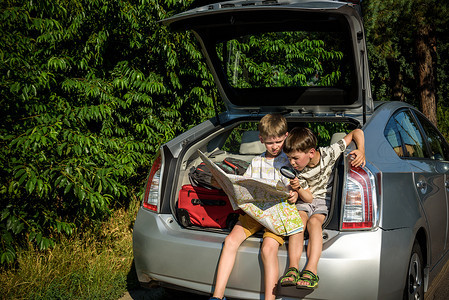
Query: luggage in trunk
{"points": [[198, 206]]}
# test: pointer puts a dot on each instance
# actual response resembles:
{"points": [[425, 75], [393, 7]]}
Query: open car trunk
{"points": [[240, 141]]}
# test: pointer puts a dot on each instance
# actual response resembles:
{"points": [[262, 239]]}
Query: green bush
{"points": [[90, 89]]}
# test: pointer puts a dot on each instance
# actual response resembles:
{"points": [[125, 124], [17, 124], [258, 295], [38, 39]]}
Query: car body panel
{"points": [[394, 169], [180, 256], [396, 245], [429, 190]]}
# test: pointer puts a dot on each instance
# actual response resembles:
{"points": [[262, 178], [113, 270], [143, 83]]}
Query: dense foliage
{"points": [[309, 58], [393, 29], [90, 89]]}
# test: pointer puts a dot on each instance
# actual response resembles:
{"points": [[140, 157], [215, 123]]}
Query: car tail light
{"points": [[359, 198], [151, 196]]}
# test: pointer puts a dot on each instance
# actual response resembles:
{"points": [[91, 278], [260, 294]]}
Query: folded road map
{"points": [[263, 199]]}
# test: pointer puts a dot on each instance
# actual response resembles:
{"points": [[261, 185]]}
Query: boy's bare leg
{"points": [[315, 246], [227, 258], [269, 251], [296, 244]]}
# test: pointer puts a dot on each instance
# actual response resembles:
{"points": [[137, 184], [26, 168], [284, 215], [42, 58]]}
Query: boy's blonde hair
{"points": [[300, 139], [273, 125]]}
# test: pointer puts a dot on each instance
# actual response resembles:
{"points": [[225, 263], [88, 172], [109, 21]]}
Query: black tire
{"points": [[414, 284]]}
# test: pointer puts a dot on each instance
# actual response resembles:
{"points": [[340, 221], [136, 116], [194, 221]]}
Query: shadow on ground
{"points": [[136, 292], [161, 293]]}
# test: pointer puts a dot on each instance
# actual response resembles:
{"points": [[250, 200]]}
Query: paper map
{"points": [[263, 199]]}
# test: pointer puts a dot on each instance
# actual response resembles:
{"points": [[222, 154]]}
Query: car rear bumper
{"points": [[349, 267]]}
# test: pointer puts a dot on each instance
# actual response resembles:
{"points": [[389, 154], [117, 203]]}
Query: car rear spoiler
{"points": [[199, 3]]}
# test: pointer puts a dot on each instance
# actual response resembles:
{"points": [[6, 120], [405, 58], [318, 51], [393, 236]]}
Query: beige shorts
{"points": [[318, 206], [251, 226]]}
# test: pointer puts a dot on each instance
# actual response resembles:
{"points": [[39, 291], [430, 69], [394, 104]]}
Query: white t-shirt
{"points": [[268, 168]]}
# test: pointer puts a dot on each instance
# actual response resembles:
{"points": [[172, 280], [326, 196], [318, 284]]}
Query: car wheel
{"points": [[414, 285]]}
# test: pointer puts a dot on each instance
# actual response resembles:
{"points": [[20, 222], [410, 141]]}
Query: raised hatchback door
{"points": [[297, 55]]}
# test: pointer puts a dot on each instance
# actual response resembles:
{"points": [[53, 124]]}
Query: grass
{"points": [[89, 265]]}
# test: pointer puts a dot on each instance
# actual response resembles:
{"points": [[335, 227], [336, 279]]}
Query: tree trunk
{"points": [[425, 52], [396, 79]]}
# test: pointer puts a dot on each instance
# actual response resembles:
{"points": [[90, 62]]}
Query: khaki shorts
{"points": [[318, 206], [251, 226]]}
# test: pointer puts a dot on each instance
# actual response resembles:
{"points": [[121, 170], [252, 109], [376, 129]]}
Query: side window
{"points": [[234, 140], [403, 135], [438, 145], [392, 134]]}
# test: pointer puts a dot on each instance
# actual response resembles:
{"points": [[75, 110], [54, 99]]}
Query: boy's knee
{"points": [[270, 248], [316, 220], [232, 241], [313, 223]]}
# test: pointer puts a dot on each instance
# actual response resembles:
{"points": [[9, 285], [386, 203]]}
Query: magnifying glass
{"points": [[289, 172]]}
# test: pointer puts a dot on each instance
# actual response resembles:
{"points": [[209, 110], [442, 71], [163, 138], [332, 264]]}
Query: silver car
{"points": [[387, 232]]}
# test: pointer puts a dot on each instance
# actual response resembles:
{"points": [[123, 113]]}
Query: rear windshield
{"points": [[292, 59], [286, 59]]}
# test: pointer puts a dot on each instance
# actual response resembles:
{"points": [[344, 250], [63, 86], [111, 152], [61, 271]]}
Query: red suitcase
{"points": [[205, 208]]}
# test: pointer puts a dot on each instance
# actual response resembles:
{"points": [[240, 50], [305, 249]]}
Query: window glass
{"points": [[392, 134], [295, 59], [403, 135], [437, 144], [286, 59], [234, 140]]}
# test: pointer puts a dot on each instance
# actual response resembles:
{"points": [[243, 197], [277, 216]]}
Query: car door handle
{"points": [[422, 186]]}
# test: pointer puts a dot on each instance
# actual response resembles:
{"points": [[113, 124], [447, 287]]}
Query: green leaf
{"points": [[68, 187], [31, 183]]}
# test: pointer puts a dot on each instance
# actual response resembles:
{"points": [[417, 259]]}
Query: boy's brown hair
{"points": [[300, 139], [273, 125]]}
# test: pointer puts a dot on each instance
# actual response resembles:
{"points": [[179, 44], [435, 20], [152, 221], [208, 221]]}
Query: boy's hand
{"points": [[293, 197], [294, 183], [358, 158], [303, 194]]}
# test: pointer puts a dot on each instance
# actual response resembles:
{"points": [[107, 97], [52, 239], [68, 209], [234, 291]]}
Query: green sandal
{"points": [[312, 280], [292, 273]]}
